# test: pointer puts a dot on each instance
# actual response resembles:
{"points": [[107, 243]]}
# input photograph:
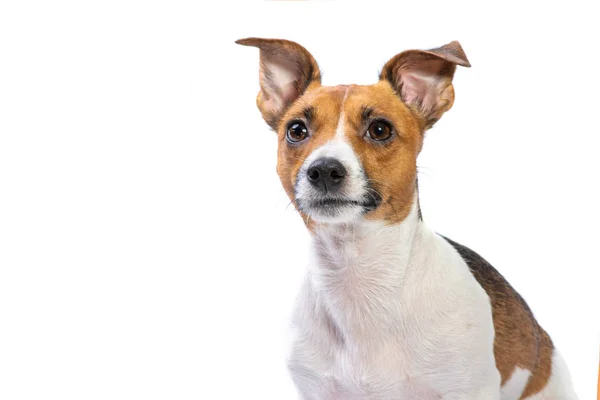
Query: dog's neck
{"points": [[362, 269], [345, 244]]}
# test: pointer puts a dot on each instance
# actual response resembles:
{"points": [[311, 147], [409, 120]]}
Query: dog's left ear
{"points": [[286, 70], [423, 79]]}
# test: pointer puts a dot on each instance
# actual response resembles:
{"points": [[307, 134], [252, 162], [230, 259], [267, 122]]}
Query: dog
{"points": [[390, 310]]}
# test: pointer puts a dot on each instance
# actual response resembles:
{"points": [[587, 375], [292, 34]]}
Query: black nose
{"points": [[326, 174]]}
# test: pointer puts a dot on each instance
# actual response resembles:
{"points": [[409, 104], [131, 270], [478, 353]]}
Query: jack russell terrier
{"points": [[390, 310]]}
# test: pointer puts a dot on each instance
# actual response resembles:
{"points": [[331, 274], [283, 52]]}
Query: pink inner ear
{"points": [[281, 82], [422, 84], [278, 99]]}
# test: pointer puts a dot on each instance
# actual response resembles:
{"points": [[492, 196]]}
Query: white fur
{"points": [[513, 388], [391, 312]]}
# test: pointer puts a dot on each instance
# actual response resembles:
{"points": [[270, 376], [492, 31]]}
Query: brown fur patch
{"points": [[327, 102], [390, 167], [519, 340]]}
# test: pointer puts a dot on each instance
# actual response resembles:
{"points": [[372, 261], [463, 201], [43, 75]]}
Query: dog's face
{"points": [[349, 152]]}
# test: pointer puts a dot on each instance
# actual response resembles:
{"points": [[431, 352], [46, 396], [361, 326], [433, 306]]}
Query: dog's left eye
{"points": [[296, 132], [380, 131]]}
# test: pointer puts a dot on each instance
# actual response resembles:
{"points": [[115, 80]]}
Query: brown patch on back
{"points": [[519, 340]]}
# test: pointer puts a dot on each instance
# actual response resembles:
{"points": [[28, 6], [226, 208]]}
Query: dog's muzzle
{"points": [[327, 191]]}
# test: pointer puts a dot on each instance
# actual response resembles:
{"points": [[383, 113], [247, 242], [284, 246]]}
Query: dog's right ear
{"points": [[286, 70]]}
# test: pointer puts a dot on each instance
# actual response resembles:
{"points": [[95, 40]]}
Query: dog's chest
{"points": [[365, 328], [328, 362], [387, 373]]}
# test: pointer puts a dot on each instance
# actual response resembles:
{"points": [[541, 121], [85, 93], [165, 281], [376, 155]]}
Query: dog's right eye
{"points": [[380, 131], [296, 132]]}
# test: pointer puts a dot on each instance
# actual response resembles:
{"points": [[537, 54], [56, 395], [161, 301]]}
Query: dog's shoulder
{"points": [[492, 281], [519, 340]]}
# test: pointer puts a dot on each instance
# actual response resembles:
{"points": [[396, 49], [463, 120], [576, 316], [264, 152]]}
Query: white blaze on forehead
{"points": [[338, 147], [341, 127], [340, 131]]}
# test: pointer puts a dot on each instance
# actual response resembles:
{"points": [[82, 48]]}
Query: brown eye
{"points": [[380, 131], [296, 132]]}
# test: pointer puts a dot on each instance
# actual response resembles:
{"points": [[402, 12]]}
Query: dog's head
{"points": [[349, 152]]}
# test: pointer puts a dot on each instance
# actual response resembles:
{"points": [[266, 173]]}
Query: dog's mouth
{"points": [[338, 207], [335, 203]]}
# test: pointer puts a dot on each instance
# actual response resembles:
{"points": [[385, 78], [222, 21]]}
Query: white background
{"points": [[146, 250]]}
